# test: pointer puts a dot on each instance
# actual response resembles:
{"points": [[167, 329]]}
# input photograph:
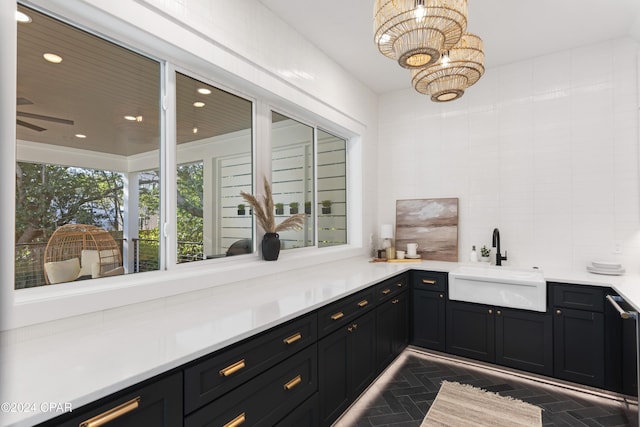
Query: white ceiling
{"points": [[512, 30]]}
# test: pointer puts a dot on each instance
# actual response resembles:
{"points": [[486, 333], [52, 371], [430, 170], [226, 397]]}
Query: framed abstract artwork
{"points": [[432, 224]]}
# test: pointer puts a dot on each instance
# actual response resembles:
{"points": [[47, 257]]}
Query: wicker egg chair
{"points": [[92, 246]]}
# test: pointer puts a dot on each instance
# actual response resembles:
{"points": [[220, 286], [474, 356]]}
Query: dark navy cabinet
{"points": [[579, 334], [156, 402], [517, 339], [428, 309], [392, 320], [347, 365]]}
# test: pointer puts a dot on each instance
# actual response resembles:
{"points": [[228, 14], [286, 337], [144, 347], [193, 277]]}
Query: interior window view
{"points": [[332, 189], [87, 173], [214, 152], [292, 165]]}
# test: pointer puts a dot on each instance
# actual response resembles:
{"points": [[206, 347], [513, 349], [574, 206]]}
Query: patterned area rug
{"points": [[461, 405]]}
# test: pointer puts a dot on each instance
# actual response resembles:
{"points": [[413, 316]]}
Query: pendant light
{"points": [[459, 68], [415, 32]]}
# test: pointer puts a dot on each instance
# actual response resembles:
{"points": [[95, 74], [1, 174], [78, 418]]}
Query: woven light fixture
{"points": [[415, 32], [460, 68]]}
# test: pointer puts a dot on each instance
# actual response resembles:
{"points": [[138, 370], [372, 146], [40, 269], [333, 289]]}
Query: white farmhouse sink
{"points": [[500, 286]]}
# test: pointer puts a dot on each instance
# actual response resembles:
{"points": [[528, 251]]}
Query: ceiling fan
{"points": [[25, 101]]}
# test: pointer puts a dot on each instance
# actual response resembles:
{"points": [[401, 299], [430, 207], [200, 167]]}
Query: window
{"points": [[214, 137], [292, 179], [332, 190], [88, 129], [89, 149]]}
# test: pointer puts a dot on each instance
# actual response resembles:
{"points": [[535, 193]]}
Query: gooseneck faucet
{"points": [[496, 244]]}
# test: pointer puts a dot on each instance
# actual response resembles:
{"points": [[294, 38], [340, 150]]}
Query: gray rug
{"points": [[461, 405]]}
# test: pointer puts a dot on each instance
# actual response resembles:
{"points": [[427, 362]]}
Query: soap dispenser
{"points": [[473, 257]]}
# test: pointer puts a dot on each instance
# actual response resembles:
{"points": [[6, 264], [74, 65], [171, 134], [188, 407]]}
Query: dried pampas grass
{"points": [[264, 212]]}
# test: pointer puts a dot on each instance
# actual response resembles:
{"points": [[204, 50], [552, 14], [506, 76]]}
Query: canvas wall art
{"points": [[432, 224]]}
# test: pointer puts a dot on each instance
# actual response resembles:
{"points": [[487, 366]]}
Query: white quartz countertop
{"points": [[78, 360]]}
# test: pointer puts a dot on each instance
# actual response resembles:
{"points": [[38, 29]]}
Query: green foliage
{"points": [[190, 216], [48, 196]]}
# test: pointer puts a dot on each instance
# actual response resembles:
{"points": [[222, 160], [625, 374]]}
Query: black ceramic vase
{"points": [[270, 246]]}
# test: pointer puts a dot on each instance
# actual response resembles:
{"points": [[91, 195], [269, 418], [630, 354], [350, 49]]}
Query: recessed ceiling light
{"points": [[198, 104], [204, 91], [22, 17], [81, 136], [52, 57]]}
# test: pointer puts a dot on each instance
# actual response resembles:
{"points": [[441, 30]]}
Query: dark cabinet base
{"points": [[159, 404], [514, 338], [346, 362], [428, 319]]}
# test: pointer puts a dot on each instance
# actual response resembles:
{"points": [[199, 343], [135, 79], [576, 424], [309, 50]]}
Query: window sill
{"points": [[49, 303]]}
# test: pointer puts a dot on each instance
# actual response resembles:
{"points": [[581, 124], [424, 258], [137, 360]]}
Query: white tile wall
{"points": [[545, 149]]}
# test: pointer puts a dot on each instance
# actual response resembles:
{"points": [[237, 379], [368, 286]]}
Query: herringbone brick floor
{"points": [[403, 394]]}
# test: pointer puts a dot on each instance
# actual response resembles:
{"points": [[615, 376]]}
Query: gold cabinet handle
{"points": [[428, 282], [558, 312], [112, 413], [363, 303], [499, 313], [239, 420], [231, 369], [293, 338], [395, 301], [441, 295], [399, 284], [490, 311], [337, 316], [294, 382], [386, 291], [353, 327]]}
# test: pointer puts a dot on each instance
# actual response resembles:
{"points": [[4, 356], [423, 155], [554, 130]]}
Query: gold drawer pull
{"points": [[239, 420], [294, 382], [293, 338], [363, 303], [337, 316], [428, 282], [386, 291], [395, 301], [399, 284], [112, 413], [231, 369]]}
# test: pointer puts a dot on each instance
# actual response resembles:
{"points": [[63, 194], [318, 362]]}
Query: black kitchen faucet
{"points": [[496, 244]]}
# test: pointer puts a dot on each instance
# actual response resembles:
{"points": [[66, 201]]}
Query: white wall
{"points": [[545, 149]]}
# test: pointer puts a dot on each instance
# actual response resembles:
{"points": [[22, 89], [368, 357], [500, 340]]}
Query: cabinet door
{"points": [[158, 403], [579, 346], [471, 331], [524, 340], [629, 361], [428, 319], [333, 375], [346, 365], [362, 354], [401, 330], [392, 329]]}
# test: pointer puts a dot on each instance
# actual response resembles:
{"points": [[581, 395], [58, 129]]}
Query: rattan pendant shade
{"points": [[415, 32], [447, 80], [71, 240]]}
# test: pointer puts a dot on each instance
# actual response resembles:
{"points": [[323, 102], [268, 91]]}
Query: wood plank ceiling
{"points": [[97, 84]]}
